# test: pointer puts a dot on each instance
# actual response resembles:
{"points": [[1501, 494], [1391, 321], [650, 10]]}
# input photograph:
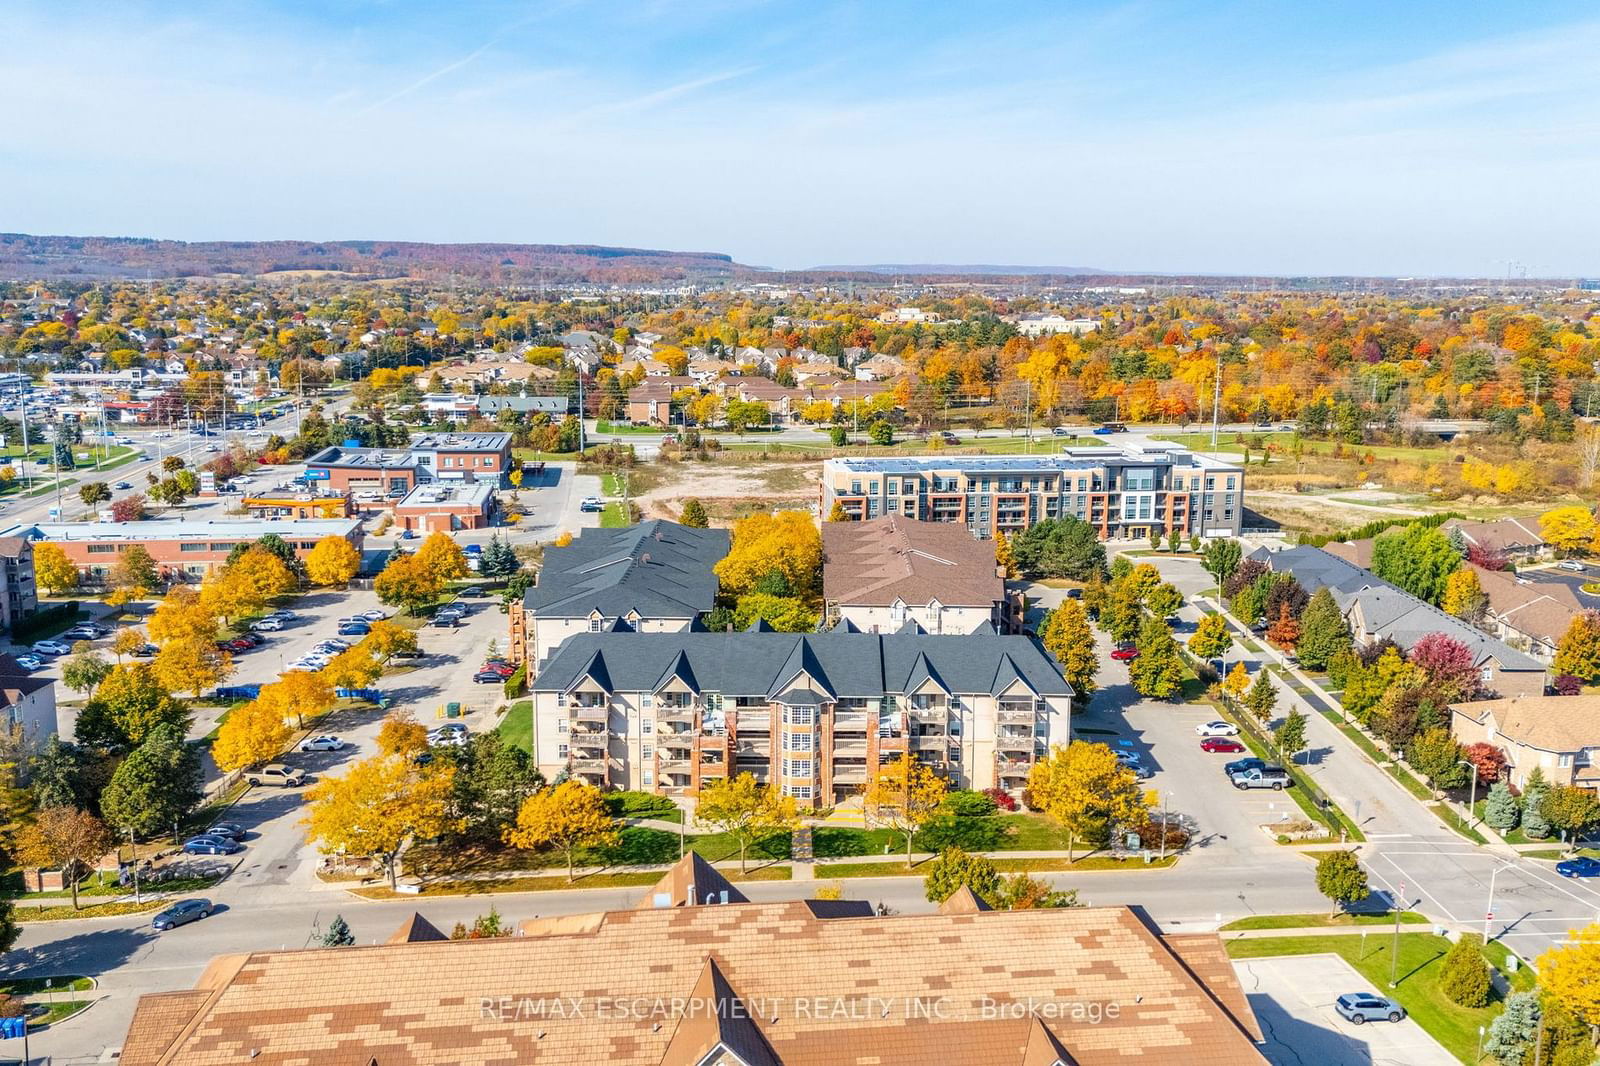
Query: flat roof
{"points": [[177, 529], [466, 442], [368, 458], [1070, 459], [438, 493]]}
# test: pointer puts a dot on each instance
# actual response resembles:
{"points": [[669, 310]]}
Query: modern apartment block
{"points": [[21, 593], [654, 577], [1126, 493], [814, 714]]}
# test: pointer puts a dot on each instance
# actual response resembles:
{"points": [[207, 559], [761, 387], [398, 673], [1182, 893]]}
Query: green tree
{"points": [[954, 868], [56, 775], [1065, 634], [1500, 808], [1417, 558], [1060, 547], [1341, 878], [1464, 978], [1221, 558], [1120, 614], [1262, 698], [1323, 632], [492, 780], [84, 671], [1211, 638], [94, 493], [155, 786], [1164, 600], [694, 514], [1248, 604], [1435, 755], [1291, 734], [126, 707], [881, 433], [1534, 823], [1512, 1033], [1158, 671], [338, 934]]}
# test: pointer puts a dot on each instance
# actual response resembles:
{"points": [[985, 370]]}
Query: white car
{"points": [[267, 625], [82, 633], [335, 642], [1216, 729], [310, 662], [29, 662], [324, 743], [1571, 564], [51, 647], [448, 740], [374, 615]]}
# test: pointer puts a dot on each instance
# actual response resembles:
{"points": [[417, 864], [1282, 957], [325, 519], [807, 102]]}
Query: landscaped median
{"points": [[1417, 972], [58, 995]]}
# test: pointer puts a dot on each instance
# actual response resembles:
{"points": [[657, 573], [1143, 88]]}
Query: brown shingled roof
{"points": [[873, 563], [899, 991], [1549, 723], [416, 930]]}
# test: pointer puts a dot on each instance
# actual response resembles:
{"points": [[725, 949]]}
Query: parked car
{"points": [[323, 743], [949, 438], [444, 621], [123, 485], [473, 592], [1125, 654], [592, 503], [253, 640], [1239, 766], [181, 913], [210, 844], [408, 653], [449, 729], [82, 633], [1221, 744], [277, 774], [145, 651], [377, 614], [354, 629], [284, 616], [267, 625], [334, 644], [489, 677], [505, 670], [1583, 866], [1273, 777], [29, 662], [1216, 729], [1362, 1007], [51, 648], [1571, 564], [231, 830]]}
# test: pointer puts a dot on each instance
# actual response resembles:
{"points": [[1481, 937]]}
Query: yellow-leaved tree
{"points": [[54, 572], [567, 817], [905, 795], [442, 557], [1238, 681], [746, 810], [1084, 788], [332, 561], [405, 582], [402, 734], [191, 664], [180, 615], [377, 806], [1569, 973], [251, 734], [300, 693], [352, 668], [387, 638], [787, 542], [1567, 529]]}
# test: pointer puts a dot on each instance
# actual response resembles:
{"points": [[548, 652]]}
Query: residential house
{"points": [[1530, 616], [1039, 325], [650, 402], [883, 574], [1515, 538], [783, 402], [27, 701], [648, 578], [814, 714], [697, 975], [880, 368], [1377, 611], [1558, 735]]}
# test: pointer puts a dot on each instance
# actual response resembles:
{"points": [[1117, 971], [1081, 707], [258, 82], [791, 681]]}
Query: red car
{"points": [[502, 669], [1222, 744], [1125, 654]]}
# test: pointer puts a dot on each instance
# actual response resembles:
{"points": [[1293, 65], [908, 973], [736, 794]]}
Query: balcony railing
{"points": [[675, 714], [1014, 742], [676, 766], [1013, 713], [590, 766], [590, 714], [1013, 767]]}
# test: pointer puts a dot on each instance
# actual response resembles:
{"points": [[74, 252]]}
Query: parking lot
{"points": [[1293, 1000]]}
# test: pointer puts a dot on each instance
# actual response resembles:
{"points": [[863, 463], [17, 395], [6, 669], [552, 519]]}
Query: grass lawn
{"points": [[1322, 921], [558, 883], [516, 728], [1088, 864], [44, 911], [613, 517], [1420, 960], [621, 428]]}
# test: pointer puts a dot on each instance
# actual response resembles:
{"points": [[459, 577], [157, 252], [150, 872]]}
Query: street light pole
{"points": [[1472, 803], [1394, 952], [1488, 913]]}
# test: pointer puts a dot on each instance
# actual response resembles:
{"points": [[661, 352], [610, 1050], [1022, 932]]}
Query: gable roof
{"points": [[422, 1002], [1549, 723], [416, 930], [843, 663], [691, 881], [716, 1020], [876, 562], [660, 569]]}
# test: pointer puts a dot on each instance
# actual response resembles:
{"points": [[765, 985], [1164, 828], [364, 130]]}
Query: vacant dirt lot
{"points": [[731, 490]]}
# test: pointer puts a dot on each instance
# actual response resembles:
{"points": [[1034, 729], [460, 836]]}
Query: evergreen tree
{"points": [[694, 514], [1465, 976], [1500, 808], [1291, 735], [1262, 697], [338, 934], [1511, 1034], [1323, 631], [1534, 823]]}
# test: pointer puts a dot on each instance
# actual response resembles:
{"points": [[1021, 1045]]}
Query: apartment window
{"points": [[799, 741], [1083, 484], [713, 701], [561, 699], [1486, 674], [647, 726], [799, 715], [191, 547], [648, 778], [855, 488], [561, 751], [106, 549], [645, 699], [801, 792], [225, 546], [1230, 482], [647, 751], [561, 723], [894, 506], [1139, 479], [893, 486], [1564, 760], [797, 767]]}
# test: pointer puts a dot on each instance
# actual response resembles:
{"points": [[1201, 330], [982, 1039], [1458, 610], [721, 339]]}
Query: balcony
{"points": [[581, 730], [1011, 741], [747, 749], [581, 713], [849, 774], [850, 723], [1013, 768], [850, 748], [675, 715], [582, 765], [675, 766], [930, 742], [1017, 713]]}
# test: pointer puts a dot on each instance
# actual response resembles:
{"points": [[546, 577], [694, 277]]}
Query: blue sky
{"points": [[1283, 138]]}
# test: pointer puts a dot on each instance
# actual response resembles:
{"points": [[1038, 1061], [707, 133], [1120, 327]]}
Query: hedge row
{"points": [[49, 618]]}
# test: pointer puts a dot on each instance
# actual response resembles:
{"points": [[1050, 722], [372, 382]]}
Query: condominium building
{"points": [[21, 596], [883, 574], [1128, 493], [653, 577], [813, 714]]}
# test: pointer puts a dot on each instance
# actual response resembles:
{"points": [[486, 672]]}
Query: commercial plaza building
{"points": [[1129, 492], [431, 457], [814, 714], [179, 548]]}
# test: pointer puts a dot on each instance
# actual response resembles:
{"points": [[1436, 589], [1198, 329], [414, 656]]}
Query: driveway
{"points": [[1293, 1000]]}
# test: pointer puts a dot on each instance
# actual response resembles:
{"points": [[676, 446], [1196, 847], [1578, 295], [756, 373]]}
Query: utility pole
{"points": [[1216, 401]]}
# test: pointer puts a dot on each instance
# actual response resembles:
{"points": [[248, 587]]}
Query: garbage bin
{"points": [[452, 710]]}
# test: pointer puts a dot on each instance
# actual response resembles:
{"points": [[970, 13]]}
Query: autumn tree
{"points": [[1157, 673], [135, 569], [386, 639], [401, 734], [1284, 632], [93, 494], [352, 668], [129, 703], [1464, 596], [442, 557], [181, 616], [299, 693], [905, 795], [1086, 790], [1435, 755], [1578, 653], [1004, 558], [745, 810], [568, 817], [1210, 639], [191, 664], [1570, 530], [1065, 634], [1164, 600], [407, 583], [1237, 683], [1488, 761], [376, 806], [54, 572], [66, 839], [333, 560], [251, 734], [1570, 974], [787, 542]]}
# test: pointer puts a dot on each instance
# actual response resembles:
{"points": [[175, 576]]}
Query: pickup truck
{"points": [[277, 774], [1273, 777]]}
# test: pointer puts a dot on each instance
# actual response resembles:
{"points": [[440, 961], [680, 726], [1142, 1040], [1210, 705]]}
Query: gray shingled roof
{"points": [[763, 664], [660, 569]]}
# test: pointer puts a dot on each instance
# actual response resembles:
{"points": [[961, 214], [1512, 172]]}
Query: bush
{"points": [[1002, 799], [1465, 977], [968, 834], [638, 805], [517, 683], [964, 803], [22, 632], [1567, 685]]}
